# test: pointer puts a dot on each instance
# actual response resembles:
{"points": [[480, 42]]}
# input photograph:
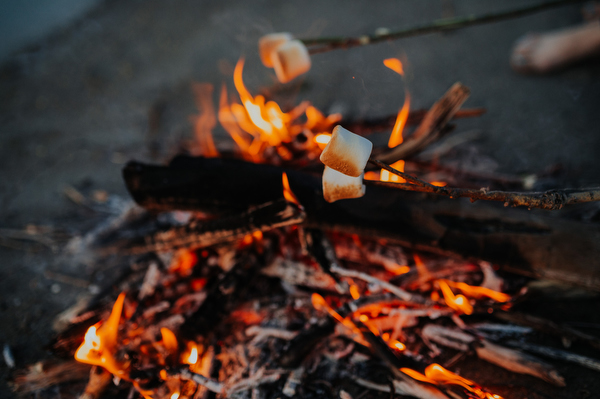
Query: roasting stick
{"points": [[549, 200], [325, 44]]}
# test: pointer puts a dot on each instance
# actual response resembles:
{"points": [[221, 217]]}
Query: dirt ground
{"points": [[116, 86]]}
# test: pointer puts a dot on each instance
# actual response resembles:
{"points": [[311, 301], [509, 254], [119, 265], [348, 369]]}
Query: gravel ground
{"points": [[77, 105]]}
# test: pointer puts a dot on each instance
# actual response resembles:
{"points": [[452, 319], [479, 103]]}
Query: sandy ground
{"points": [[77, 106]]}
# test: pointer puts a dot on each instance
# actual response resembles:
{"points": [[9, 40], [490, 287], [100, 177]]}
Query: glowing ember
{"points": [[184, 261], [288, 194], [319, 303], [175, 395], [354, 292], [479, 292], [438, 183], [397, 345], [436, 374], [100, 343], [456, 302]]}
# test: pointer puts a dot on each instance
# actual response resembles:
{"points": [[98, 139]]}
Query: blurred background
{"points": [[86, 85]]}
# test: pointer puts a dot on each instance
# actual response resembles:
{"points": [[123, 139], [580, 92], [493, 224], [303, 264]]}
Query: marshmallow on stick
{"points": [[269, 43], [347, 152], [290, 60], [337, 186]]}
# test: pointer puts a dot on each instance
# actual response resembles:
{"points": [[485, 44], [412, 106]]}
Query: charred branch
{"points": [[204, 233]]}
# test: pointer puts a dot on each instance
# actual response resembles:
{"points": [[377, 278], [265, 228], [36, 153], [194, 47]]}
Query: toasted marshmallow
{"points": [[269, 43], [290, 60], [347, 152], [337, 186]]}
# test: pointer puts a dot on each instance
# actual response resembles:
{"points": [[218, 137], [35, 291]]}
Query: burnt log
{"points": [[525, 242]]}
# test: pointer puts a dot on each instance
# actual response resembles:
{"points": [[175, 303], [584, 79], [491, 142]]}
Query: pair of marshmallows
{"points": [[289, 57], [345, 158]]}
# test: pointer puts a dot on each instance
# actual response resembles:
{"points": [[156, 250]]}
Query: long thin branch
{"points": [[549, 200], [324, 44]]}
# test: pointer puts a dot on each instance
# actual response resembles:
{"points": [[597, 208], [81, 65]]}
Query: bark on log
{"points": [[525, 242]]}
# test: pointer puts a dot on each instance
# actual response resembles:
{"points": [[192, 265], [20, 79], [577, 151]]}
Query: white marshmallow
{"points": [[269, 43], [347, 152], [290, 60], [337, 186]]}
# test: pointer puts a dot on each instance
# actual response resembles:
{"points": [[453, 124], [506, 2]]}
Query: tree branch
{"points": [[324, 44]]}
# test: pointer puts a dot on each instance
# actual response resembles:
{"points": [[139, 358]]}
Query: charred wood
{"points": [[523, 242]]}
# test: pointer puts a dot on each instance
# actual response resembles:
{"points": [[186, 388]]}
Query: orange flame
{"points": [[395, 65], [100, 343], [396, 137], [319, 303], [457, 302], [421, 268], [191, 355], [256, 123], [169, 340], [479, 292], [288, 194], [322, 140], [387, 176], [206, 121], [438, 183], [436, 374]]}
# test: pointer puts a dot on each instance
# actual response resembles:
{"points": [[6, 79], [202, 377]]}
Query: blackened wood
{"points": [[204, 233], [431, 127], [521, 241]]}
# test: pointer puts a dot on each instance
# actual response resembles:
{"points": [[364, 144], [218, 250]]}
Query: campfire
{"points": [[257, 273]]}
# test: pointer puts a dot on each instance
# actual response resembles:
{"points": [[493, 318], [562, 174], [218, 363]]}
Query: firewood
{"points": [[431, 126], [509, 359], [558, 354], [548, 327], [46, 374], [522, 242], [204, 233], [368, 126], [97, 384]]}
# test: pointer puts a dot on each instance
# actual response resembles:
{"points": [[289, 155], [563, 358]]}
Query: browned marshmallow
{"points": [[290, 60], [269, 43], [347, 152], [337, 186]]}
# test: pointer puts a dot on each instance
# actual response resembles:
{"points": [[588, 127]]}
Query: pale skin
{"points": [[547, 52]]}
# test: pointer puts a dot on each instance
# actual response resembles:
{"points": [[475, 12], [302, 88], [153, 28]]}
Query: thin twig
{"points": [[210, 384], [324, 44], [549, 200], [407, 177]]}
